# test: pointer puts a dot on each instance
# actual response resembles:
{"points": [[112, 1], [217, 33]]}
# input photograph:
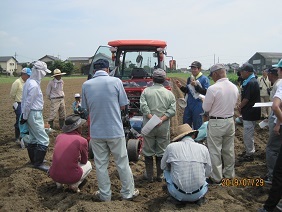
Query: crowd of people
{"points": [[187, 165]]}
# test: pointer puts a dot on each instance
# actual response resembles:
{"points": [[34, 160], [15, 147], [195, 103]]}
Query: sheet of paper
{"points": [[263, 104], [154, 121]]}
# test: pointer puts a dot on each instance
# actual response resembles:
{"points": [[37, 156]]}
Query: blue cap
{"points": [[278, 65], [26, 71], [100, 64]]}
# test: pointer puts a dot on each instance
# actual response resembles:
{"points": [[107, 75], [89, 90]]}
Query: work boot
{"points": [[61, 123], [160, 176], [40, 153], [51, 124], [149, 168], [30, 150]]}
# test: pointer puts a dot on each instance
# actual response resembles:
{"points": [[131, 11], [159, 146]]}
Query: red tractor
{"points": [[133, 61]]}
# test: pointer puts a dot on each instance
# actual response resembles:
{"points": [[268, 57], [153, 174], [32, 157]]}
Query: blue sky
{"points": [[208, 30]]}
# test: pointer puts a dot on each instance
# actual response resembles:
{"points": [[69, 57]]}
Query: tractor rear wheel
{"points": [[133, 149]]}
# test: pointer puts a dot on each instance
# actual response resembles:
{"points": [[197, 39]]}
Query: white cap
{"points": [[40, 65], [76, 95]]}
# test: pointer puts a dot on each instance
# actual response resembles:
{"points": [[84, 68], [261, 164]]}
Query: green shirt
{"points": [[158, 100]]}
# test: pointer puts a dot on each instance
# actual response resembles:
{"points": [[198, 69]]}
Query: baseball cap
{"points": [[247, 67], [278, 65], [26, 71], [40, 65], [77, 95], [196, 64], [273, 71], [100, 64], [159, 73], [216, 67]]}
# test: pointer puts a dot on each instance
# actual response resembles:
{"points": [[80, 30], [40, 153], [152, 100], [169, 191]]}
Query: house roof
{"points": [[6, 58], [271, 55], [51, 57], [78, 58]]}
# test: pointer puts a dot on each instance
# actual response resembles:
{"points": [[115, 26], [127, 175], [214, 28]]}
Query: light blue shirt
{"points": [[103, 96], [32, 97]]}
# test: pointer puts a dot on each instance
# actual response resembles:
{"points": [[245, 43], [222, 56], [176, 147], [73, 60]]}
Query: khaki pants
{"points": [[265, 110], [57, 105], [220, 140]]}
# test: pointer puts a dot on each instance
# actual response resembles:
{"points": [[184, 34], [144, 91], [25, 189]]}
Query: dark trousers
{"points": [[275, 192], [18, 112]]}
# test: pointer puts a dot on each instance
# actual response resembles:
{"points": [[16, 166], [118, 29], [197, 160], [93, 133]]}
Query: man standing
{"points": [[275, 131], [250, 95], [104, 97], [16, 94], [264, 85], [32, 106], [186, 166], [55, 92], [70, 163], [197, 84], [220, 101], [275, 192], [157, 100]]}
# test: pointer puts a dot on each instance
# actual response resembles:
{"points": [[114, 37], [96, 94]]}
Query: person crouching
{"points": [[70, 159], [186, 166]]}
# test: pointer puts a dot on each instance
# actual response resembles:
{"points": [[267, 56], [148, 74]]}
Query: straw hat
{"points": [[183, 130], [72, 122], [57, 72]]}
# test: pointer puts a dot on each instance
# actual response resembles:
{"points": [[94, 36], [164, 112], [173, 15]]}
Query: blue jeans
{"points": [[181, 196]]}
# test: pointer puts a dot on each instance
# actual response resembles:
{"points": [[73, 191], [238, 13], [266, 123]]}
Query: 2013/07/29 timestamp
{"points": [[256, 182]]}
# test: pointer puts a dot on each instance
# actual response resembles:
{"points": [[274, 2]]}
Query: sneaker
{"points": [[211, 182], [246, 158], [74, 188], [22, 143], [135, 194], [97, 194], [59, 185]]}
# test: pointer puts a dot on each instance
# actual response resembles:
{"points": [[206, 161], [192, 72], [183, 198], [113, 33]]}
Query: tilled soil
{"points": [[23, 188]]}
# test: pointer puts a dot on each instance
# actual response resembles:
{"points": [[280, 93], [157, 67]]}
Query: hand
{"points": [[22, 121], [193, 82], [178, 84]]}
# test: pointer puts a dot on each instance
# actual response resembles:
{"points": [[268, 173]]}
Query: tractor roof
{"points": [[152, 43]]}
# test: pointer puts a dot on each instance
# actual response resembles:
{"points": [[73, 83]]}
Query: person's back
{"points": [[70, 163], [103, 99], [69, 149], [194, 158]]}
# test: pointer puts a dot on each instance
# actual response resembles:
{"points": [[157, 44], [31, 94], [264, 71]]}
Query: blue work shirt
{"points": [[103, 96]]}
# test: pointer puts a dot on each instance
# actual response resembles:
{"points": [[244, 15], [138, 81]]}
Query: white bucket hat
{"points": [[40, 65]]}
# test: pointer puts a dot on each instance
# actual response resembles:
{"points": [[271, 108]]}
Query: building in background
{"points": [[49, 58], [262, 60], [9, 65], [79, 63]]}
